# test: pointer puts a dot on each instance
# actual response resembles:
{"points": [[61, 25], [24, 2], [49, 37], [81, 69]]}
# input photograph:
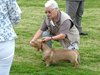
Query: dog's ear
{"points": [[43, 41]]}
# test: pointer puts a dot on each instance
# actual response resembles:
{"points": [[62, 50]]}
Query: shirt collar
{"points": [[59, 15]]}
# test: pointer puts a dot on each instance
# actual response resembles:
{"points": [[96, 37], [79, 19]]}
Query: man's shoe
{"points": [[82, 33]]}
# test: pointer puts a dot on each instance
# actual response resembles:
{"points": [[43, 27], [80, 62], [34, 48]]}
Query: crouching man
{"points": [[58, 25]]}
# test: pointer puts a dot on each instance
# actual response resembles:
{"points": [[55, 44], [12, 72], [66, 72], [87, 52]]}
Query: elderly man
{"points": [[58, 26]]}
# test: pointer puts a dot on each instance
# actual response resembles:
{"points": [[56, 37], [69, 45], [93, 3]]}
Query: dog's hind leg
{"points": [[74, 63]]}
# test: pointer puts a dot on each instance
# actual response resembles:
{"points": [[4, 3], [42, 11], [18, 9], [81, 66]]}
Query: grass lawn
{"points": [[28, 61]]}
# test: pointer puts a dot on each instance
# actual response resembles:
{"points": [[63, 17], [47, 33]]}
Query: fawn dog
{"points": [[54, 55]]}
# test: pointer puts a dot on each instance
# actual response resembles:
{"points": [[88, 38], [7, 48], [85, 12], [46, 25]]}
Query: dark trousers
{"points": [[75, 10]]}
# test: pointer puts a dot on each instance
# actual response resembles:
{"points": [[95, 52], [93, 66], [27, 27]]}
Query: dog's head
{"points": [[38, 44]]}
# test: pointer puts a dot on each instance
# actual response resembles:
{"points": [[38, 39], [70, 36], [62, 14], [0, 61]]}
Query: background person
{"points": [[9, 15], [74, 9]]}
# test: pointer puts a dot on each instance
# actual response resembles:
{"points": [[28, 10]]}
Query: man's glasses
{"points": [[49, 11]]}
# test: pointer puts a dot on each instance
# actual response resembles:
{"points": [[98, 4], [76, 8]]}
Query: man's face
{"points": [[51, 12]]}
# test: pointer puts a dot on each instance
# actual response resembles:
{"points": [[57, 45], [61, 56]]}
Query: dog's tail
{"points": [[78, 56], [78, 59]]}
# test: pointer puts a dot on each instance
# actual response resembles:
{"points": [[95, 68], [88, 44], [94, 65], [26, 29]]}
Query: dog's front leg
{"points": [[47, 59], [47, 64]]}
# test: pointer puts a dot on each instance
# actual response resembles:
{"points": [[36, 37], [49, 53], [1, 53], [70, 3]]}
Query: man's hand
{"points": [[32, 42]]}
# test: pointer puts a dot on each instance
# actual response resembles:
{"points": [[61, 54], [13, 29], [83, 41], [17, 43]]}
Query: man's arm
{"points": [[39, 32], [64, 29], [36, 36], [57, 37]]}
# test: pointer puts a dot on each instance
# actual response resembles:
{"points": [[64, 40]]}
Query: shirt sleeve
{"points": [[43, 26], [65, 27], [14, 11]]}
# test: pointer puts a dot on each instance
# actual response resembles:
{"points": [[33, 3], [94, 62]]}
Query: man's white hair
{"points": [[51, 3]]}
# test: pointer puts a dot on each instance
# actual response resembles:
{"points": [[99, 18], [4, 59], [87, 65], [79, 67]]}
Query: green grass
{"points": [[28, 61]]}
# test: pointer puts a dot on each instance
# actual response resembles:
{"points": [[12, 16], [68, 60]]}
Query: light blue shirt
{"points": [[9, 15]]}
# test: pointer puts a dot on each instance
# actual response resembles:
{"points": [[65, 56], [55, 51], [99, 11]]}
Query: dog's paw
{"points": [[47, 65]]}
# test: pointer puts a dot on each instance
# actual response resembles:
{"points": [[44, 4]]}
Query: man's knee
{"points": [[45, 33]]}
